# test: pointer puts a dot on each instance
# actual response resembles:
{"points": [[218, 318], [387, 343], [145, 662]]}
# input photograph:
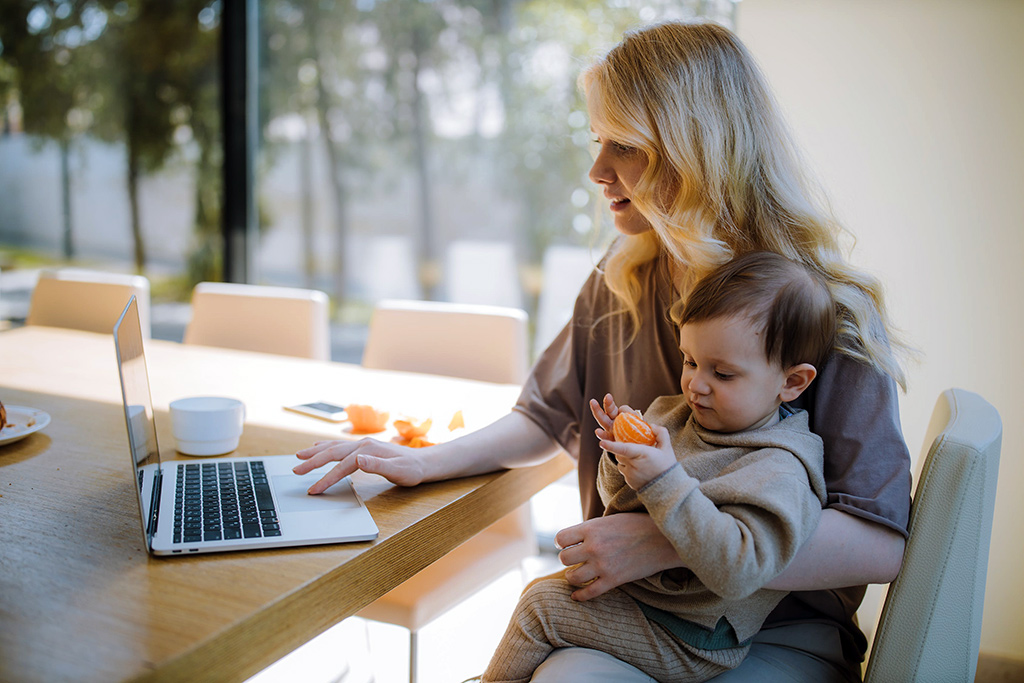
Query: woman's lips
{"points": [[619, 204]]}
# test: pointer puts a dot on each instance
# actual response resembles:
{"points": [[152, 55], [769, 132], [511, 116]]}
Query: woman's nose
{"points": [[600, 172]]}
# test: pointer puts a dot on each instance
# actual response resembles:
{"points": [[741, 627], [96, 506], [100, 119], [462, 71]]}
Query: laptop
{"points": [[205, 505]]}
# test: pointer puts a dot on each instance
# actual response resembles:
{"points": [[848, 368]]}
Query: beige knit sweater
{"points": [[736, 507]]}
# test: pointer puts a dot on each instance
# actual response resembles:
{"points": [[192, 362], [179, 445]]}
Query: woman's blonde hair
{"points": [[691, 98]]}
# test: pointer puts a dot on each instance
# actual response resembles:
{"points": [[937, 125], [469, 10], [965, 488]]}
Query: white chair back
{"points": [[564, 271], [89, 300], [487, 343], [284, 320], [930, 626]]}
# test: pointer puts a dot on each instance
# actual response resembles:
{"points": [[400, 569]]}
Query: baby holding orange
{"points": [[731, 475]]}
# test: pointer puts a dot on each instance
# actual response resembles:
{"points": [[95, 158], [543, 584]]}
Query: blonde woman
{"points": [[697, 166]]}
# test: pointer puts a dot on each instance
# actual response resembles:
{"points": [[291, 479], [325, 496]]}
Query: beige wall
{"points": [[912, 114]]}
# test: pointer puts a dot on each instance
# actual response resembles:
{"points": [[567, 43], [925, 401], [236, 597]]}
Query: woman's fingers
{"points": [[337, 473]]}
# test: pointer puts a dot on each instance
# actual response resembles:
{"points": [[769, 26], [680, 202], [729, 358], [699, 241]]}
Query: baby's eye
{"points": [[725, 377], [689, 363]]}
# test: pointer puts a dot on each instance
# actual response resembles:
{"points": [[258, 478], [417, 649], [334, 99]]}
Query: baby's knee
{"points": [[545, 594]]}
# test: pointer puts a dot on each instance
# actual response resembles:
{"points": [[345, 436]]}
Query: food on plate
{"points": [[457, 421], [410, 428], [3, 415], [366, 419], [631, 428]]}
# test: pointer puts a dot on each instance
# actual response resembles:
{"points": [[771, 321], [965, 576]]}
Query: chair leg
{"points": [[413, 651]]}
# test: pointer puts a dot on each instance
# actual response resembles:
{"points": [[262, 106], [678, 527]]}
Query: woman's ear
{"points": [[798, 378]]}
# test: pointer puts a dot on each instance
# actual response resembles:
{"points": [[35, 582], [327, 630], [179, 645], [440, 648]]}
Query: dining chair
{"points": [[930, 625], [564, 269], [89, 300], [284, 320], [472, 341], [482, 272], [485, 343]]}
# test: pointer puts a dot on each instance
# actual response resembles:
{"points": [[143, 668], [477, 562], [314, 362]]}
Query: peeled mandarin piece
{"points": [[419, 442], [366, 419], [457, 421], [631, 428], [409, 429]]}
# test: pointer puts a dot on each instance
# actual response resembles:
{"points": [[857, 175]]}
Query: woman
{"points": [[697, 166]]}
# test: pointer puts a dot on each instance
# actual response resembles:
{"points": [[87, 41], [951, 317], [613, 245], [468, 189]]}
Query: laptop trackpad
{"points": [[292, 497]]}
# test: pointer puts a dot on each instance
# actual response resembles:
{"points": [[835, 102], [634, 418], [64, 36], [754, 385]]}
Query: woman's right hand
{"points": [[512, 441], [400, 465]]}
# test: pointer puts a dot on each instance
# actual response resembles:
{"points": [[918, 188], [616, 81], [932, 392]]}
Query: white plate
{"points": [[18, 419]]}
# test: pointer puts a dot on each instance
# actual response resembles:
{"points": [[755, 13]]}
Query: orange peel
{"points": [[410, 429], [366, 419]]}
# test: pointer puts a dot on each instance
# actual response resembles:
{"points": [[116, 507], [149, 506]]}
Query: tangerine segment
{"points": [[419, 442], [631, 428], [366, 419], [457, 421], [410, 429]]}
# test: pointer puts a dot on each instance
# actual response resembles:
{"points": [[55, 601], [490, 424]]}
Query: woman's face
{"points": [[617, 168]]}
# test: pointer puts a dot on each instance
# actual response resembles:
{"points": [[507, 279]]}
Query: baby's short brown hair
{"points": [[788, 302]]}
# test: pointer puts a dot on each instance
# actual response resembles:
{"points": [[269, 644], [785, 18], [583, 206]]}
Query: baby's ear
{"points": [[798, 378]]}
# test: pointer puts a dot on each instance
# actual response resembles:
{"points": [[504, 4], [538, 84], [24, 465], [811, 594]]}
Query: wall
{"points": [[910, 113]]}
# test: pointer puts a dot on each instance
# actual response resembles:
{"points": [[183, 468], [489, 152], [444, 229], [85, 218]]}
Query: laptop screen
{"points": [[138, 414]]}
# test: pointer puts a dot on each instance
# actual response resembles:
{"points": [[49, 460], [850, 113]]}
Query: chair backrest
{"points": [[485, 343], [283, 320], [930, 626], [564, 270], [89, 300]]}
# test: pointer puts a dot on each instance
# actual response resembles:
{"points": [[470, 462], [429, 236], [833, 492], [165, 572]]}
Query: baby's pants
{"points": [[547, 618]]}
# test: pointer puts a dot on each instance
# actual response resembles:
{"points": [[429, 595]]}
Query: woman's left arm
{"points": [[844, 550]]}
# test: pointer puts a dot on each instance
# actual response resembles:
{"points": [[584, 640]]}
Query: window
{"points": [[406, 148]]}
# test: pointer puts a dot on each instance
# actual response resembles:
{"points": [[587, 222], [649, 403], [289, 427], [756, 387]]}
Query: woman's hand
{"points": [[400, 465], [512, 441], [606, 552]]}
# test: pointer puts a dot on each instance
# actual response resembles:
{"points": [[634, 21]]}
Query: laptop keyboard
{"points": [[223, 501]]}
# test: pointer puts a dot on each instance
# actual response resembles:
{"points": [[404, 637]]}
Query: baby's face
{"points": [[727, 379]]}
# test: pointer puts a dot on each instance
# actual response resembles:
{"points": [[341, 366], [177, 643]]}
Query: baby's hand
{"points": [[640, 464], [606, 414]]}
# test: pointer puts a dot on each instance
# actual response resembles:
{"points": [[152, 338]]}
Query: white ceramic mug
{"points": [[207, 425]]}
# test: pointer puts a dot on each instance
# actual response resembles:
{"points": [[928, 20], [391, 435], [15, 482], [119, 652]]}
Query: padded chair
{"points": [[458, 340], [284, 320], [930, 626], [487, 343], [89, 300]]}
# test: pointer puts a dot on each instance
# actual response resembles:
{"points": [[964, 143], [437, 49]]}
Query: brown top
{"points": [[852, 407]]}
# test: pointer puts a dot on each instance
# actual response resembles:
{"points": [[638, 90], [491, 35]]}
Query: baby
{"points": [[734, 481]]}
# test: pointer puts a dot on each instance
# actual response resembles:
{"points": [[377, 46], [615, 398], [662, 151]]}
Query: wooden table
{"points": [[81, 599]]}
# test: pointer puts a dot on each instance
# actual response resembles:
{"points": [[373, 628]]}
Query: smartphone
{"points": [[320, 409]]}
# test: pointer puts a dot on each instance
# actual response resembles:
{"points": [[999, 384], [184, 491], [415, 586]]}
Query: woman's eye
{"points": [[623, 149]]}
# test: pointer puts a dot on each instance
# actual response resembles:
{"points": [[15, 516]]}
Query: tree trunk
{"points": [[306, 204], [429, 261], [65, 185]]}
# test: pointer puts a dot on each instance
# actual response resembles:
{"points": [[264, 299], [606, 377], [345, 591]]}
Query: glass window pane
{"points": [[110, 143], [431, 148]]}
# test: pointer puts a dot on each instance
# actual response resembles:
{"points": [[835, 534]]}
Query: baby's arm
{"points": [[738, 531]]}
